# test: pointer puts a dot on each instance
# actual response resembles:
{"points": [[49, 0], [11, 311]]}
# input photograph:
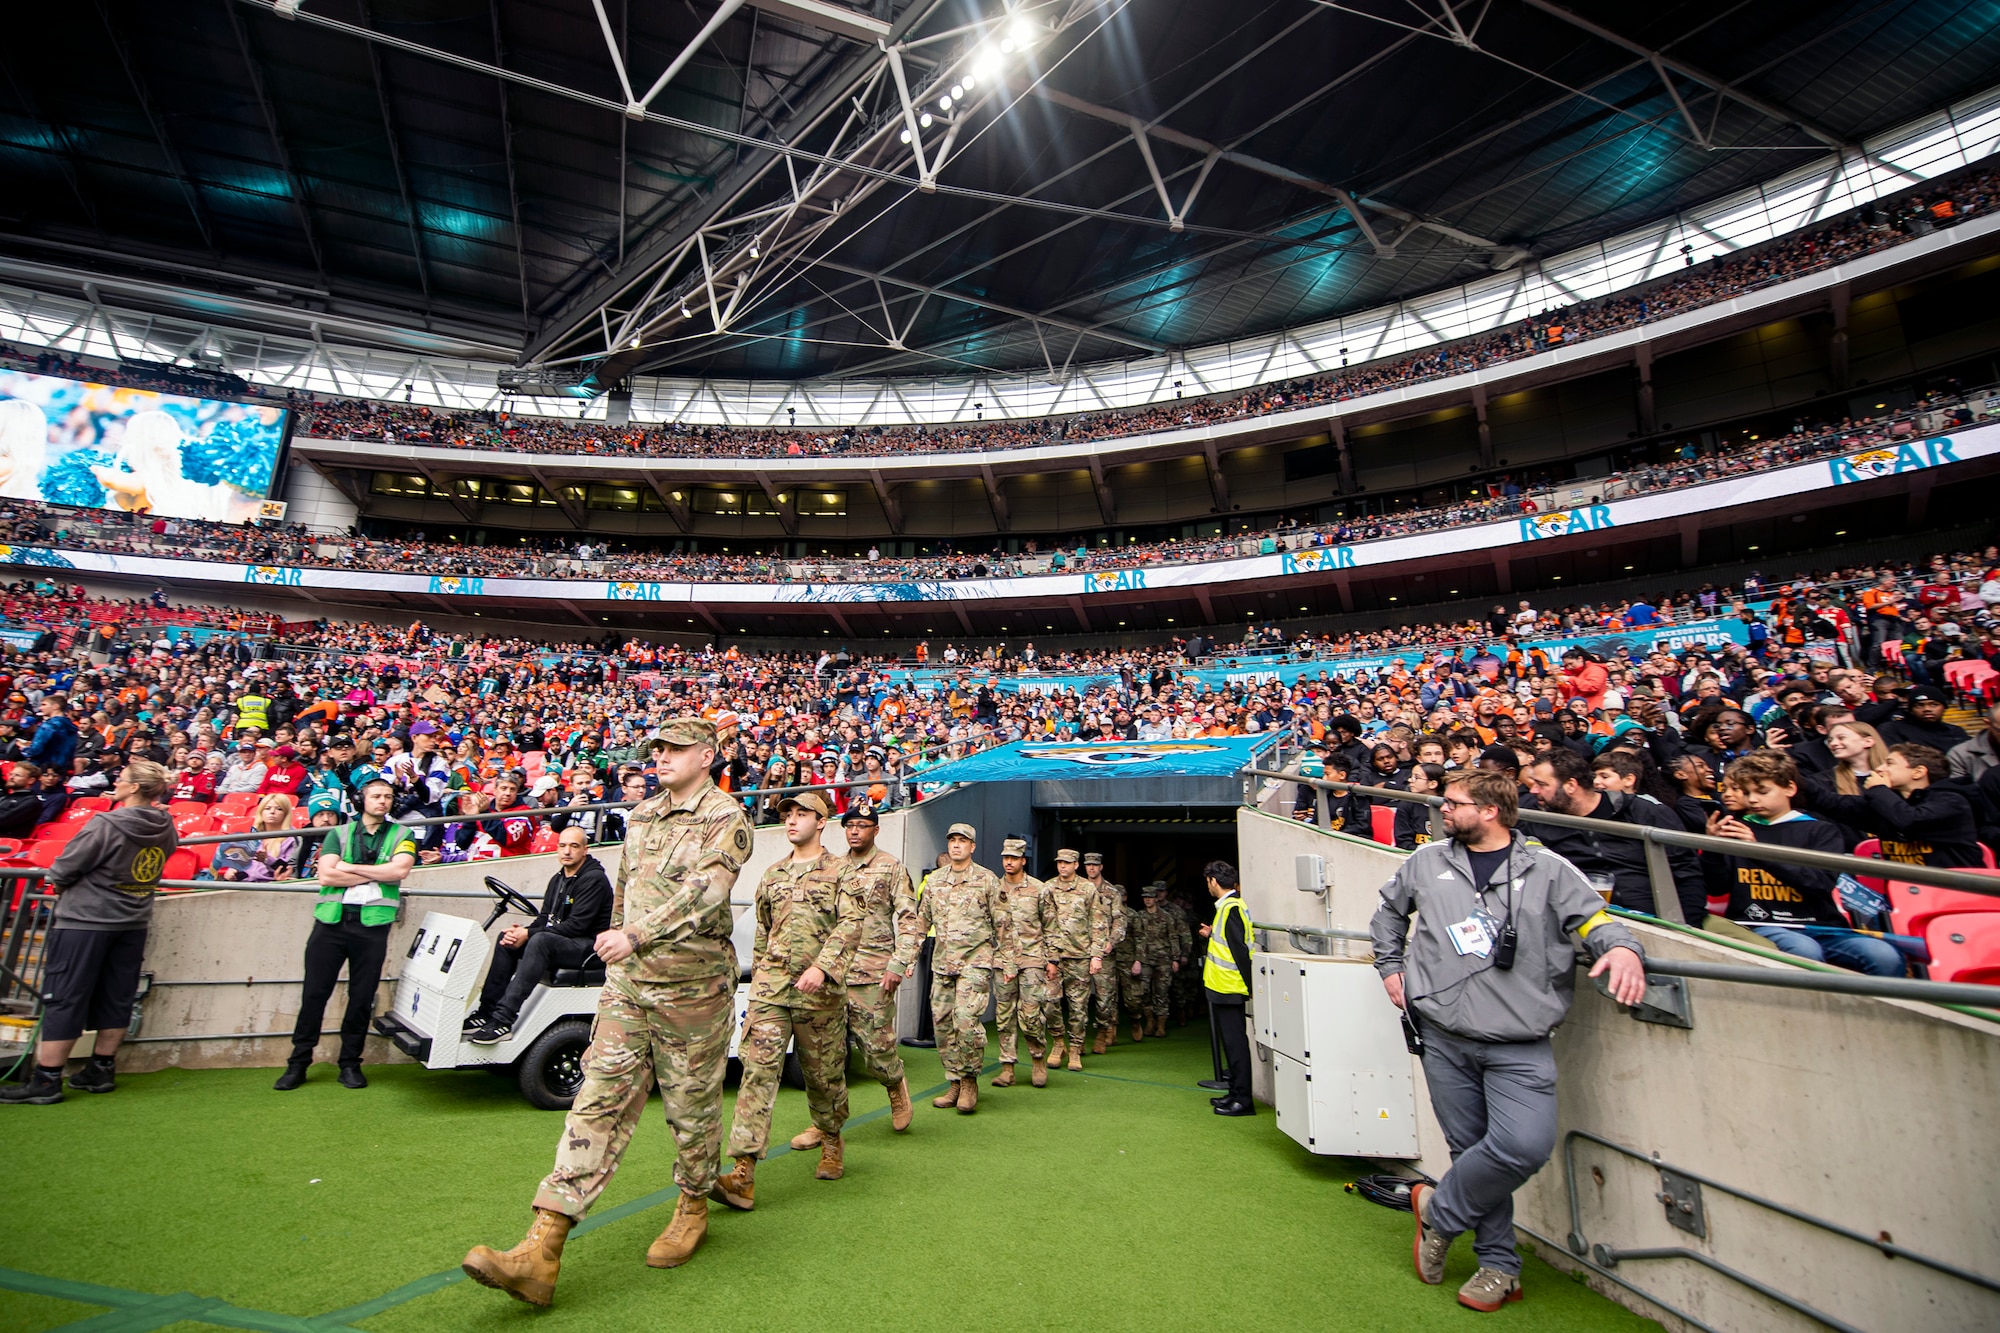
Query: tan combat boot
{"points": [[1039, 1074], [677, 1244], [1075, 1059], [1097, 1047], [1005, 1078], [830, 1167], [528, 1271], [1056, 1051], [899, 1106], [947, 1099], [968, 1096], [738, 1189], [1110, 1034], [1138, 1032], [806, 1139]]}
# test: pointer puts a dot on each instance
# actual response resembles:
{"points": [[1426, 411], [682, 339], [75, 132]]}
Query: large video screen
{"points": [[70, 442]]}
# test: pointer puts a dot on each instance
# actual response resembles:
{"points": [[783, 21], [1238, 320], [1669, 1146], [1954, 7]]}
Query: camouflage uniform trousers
{"points": [[1104, 996], [821, 1038], [1165, 985], [1138, 990], [871, 1022], [1074, 979], [958, 1014], [1021, 1008], [675, 1033], [1186, 989]]}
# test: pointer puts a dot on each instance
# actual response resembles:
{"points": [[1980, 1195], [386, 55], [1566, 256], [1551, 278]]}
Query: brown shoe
{"points": [[899, 1106], [830, 1167], [528, 1271], [968, 1096], [1039, 1074], [1110, 1035], [1005, 1078], [1097, 1047], [677, 1244], [1138, 1032], [947, 1099], [738, 1189], [1056, 1051], [806, 1139], [1075, 1059]]}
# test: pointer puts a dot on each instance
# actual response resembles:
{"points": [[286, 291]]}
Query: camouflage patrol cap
{"points": [[807, 800], [1157, 889], [1066, 854], [1014, 847], [1089, 858], [962, 831], [688, 731]]}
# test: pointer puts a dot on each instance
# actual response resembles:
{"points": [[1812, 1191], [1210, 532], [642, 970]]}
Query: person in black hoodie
{"points": [[1413, 819], [1562, 785], [1921, 722], [576, 907], [21, 803], [104, 882], [1918, 822], [1793, 907]]}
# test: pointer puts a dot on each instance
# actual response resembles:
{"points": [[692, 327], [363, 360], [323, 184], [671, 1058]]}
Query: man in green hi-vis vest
{"points": [[361, 870]]}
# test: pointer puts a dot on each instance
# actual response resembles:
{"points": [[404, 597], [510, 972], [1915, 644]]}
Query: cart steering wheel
{"points": [[510, 900]]}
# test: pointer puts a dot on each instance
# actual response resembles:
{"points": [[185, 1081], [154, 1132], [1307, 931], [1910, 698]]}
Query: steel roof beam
{"points": [[300, 205], [1784, 115], [167, 150], [396, 161]]}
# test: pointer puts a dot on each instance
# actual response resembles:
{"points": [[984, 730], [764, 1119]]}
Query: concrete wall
{"points": [[229, 962], [1874, 1114]]}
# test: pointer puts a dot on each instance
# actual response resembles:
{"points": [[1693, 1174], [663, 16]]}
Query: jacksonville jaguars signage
{"points": [[1748, 488]]}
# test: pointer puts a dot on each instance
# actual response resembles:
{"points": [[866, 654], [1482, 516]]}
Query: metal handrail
{"points": [[1935, 876]]}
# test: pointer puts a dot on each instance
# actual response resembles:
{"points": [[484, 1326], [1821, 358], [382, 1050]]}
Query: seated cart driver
{"points": [[576, 908]]}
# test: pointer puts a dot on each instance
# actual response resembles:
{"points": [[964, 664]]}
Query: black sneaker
{"points": [[294, 1075], [352, 1077], [42, 1088], [490, 1032], [95, 1076], [474, 1021]]}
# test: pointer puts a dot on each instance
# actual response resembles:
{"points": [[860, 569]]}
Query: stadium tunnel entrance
{"points": [[1143, 843]]}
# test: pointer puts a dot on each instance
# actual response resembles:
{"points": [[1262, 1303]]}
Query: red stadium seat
{"points": [[75, 813], [92, 803], [43, 854], [225, 823], [1872, 849], [1914, 906], [189, 826], [181, 865], [1965, 947], [179, 808], [1382, 824], [543, 841], [299, 816], [238, 802], [9, 846], [57, 831]]}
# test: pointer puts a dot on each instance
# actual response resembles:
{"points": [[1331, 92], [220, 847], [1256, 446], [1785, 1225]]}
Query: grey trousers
{"points": [[1496, 1102]]}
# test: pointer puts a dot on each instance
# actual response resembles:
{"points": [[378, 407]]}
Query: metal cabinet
{"points": [[1343, 1080]]}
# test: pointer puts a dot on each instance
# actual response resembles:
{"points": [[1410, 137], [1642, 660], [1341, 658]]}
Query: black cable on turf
{"points": [[1391, 1191]]}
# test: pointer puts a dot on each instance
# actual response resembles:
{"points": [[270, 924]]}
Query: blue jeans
{"points": [[1839, 946]]}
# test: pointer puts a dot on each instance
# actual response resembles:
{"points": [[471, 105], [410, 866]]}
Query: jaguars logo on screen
{"points": [[1115, 580], [1566, 522], [627, 591], [273, 575], [1098, 755], [463, 584], [1318, 559], [1890, 459]]}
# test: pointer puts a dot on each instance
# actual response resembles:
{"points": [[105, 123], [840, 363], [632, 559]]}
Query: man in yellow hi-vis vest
{"points": [[1225, 974]]}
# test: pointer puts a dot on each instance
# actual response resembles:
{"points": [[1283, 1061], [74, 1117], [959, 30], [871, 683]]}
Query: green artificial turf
{"points": [[1110, 1199]]}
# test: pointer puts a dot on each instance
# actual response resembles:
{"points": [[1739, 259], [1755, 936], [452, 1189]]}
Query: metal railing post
{"points": [[1660, 875]]}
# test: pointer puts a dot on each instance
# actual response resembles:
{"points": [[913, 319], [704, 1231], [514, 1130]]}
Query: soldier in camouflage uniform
{"points": [[808, 920], [664, 1017], [1077, 937], [1104, 986], [1149, 980], [962, 902], [1185, 984], [1022, 1000], [888, 933]]}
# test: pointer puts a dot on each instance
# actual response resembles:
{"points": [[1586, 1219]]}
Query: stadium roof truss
{"points": [[932, 209]]}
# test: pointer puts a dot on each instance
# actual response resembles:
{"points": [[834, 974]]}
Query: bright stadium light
{"points": [[906, 136], [923, 120]]}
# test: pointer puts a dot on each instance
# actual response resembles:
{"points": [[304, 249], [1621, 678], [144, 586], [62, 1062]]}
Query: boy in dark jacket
{"points": [[1791, 906], [1918, 823]]}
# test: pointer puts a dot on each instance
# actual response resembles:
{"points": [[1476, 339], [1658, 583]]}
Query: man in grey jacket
{"points": [[104, 880], [1491, 972]]}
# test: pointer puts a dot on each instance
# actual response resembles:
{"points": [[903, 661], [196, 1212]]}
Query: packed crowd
{"points": [[1938, 203], [517, 737], [30, 522]]}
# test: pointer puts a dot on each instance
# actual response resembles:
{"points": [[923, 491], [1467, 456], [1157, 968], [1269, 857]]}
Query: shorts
{"points": [[90, 981]]}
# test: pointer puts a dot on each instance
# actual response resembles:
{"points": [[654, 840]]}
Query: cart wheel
{"points": [[552, 1066]]}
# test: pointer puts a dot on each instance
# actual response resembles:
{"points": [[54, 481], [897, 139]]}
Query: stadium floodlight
{"points": [[944, 103], [754, 254], [957, 91], [924, 120], [685, 312], [906, 136]]}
